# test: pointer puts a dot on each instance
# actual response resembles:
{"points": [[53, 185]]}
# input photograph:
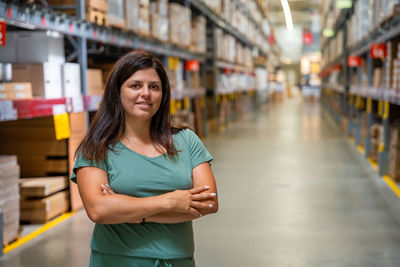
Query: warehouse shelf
{"points": [[334, 87], [34, 17], [222, 92], [40, 107], [337, 61], [376, 93], [232, 66], [386, 31], [221, 23]]}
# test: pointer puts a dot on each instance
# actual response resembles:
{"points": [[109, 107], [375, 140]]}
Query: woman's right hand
{"points": [[189, 201]]}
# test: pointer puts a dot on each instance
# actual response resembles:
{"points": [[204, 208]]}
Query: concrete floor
{"points": [[292, 190]]}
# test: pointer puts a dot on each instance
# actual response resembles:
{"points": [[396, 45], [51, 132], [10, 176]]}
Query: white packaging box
{"points": [[39, 47], [115, 13], [162, 8], [71, 79], [8, 53], [45, 78]]}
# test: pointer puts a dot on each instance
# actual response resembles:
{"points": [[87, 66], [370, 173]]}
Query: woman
{"points": [[141, 180]]}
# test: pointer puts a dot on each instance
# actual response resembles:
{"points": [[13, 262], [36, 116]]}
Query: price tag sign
{"points": [[186, 103], [172, 107], [179, 105], [378, 51], [61, 122], [3, 30], [353, 61], [173, 63], [192, 65]]}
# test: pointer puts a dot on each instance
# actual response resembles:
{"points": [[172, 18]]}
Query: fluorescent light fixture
{"points": [[342, 4], [288, 15], [328, 33]]}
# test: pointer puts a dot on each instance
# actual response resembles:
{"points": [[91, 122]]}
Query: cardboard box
{"points": [[115, 13], [199, 33], [395, 137], [78, 128], [11, 215], [9, 197], [394, 163], [94, 82], [71, 79], [8, 53], [45, 78], [42, 187], [44, 209], [159, 27], [40, 47], [96, 4], [15, 90], [180, 25], [162, 8]]}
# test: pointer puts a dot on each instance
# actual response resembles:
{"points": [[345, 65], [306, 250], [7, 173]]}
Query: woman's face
{"points": [[141, 95]]}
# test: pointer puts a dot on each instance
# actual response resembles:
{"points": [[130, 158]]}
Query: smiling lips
{"points": [[144, 104]]}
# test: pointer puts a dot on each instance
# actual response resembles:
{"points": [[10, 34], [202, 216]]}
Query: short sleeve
{"points": [[197, 150], [83, 162]]}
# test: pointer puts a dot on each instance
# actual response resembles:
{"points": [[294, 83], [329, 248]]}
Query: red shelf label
{"points": [[353, 61], [44, 21], [3, 32], [378, 51], [95, 34], [9, 13], [192, 65], [71, 27]]}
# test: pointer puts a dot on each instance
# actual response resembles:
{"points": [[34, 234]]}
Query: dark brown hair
{"points": [[108, 124]]}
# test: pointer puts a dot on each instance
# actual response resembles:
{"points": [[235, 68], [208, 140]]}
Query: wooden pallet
{"points": [[96, 16], [11, 240]]}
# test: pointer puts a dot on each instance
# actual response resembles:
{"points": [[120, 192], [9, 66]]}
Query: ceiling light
{"points": [[288, 15], [328, 33]]}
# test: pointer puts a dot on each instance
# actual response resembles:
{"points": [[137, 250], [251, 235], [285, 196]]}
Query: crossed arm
{"points": [[104, 206]]}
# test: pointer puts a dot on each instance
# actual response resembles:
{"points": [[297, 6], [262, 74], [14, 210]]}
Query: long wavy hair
{"points": [[108, 124]]}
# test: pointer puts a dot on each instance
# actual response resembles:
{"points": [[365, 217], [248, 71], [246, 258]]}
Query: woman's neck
{"points": [[138, 130]]}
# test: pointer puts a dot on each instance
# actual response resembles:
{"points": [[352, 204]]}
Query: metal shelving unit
{"points": [[363, 98], [33, 17]]}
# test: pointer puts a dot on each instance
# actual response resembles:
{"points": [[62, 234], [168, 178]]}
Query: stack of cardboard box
{"points": [[199, 34], [9, 197], [180, 19], [42, 199], [96, 10], [394, 154], [115, 14], [38, 58], [15, 90], [159, 20], [33, 141], [138, 16]]}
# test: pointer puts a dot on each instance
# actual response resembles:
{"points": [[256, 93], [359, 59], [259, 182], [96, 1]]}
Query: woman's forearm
{"points": [[118, 208]]}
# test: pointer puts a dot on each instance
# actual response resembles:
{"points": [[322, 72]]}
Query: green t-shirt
{"points": [[137, 175]]}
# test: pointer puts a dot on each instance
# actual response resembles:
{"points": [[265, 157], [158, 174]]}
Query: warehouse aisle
{"points": [[292, 190]]}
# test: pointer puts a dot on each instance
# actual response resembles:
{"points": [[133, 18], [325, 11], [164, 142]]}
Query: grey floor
{"points": [[292, 190]]}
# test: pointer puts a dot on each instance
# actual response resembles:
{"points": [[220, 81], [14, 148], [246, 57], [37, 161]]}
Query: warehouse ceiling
{"points": [[302, 11], [305, 15]]}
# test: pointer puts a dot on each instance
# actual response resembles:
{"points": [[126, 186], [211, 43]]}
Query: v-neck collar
{"points": [[141, 155]]}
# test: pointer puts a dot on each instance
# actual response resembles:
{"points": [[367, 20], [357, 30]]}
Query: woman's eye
{"points": [[135, 86], [156, 87]]}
